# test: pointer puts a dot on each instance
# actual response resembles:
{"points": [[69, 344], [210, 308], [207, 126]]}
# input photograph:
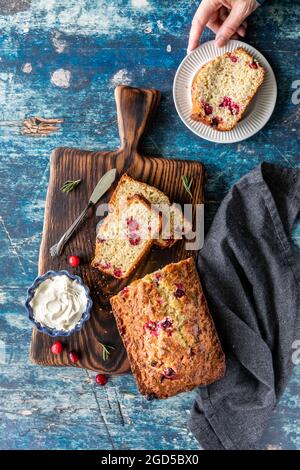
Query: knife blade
{"points": [[103, 185]]}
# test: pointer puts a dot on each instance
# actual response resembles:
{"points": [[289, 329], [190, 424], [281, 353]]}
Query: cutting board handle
{"points": [[134, 108]]}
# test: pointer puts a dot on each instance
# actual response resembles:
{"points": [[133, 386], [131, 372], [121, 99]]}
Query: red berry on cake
{"points": [[167, 325], [118, 272], [253, 65], [233, 58], [132, 224], [230, 104], [134, 239], [169, 373], [151, 327], [208, 109], [179, 292], [104, 265]]}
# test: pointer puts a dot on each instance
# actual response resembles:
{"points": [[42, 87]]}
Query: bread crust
{"points": [[192, 349], [125, 178], [136, 198], [197, 107]]}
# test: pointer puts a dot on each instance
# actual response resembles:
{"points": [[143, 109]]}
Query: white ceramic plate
{"points": [[258, 112]]}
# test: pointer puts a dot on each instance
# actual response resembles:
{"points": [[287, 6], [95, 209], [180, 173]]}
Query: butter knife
{"points": [[103, 185]]}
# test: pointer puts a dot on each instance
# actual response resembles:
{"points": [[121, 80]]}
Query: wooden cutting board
{"points": [[134, 108]]}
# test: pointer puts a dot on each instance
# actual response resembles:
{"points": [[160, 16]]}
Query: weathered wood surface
{"points": [[135, 108], [63, 59]]}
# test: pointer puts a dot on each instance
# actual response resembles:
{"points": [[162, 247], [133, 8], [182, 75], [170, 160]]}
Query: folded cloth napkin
{"points": [[250, 273]]}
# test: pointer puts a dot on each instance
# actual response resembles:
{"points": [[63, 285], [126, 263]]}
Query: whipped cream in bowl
{"points": [[58, 303]]}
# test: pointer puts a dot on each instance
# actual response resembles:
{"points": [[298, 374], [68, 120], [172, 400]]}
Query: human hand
{"points": [[226, 18]]}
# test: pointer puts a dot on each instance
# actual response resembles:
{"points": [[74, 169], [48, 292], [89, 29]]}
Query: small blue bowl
{"points": [[51, 331]]}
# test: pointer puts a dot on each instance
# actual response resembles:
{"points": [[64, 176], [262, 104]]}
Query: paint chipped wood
{"points": [[38, 126]]}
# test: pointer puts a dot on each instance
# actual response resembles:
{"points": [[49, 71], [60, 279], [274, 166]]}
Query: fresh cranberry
{"points": [[233, 58], [101, 240], [74, 261], [253, 65], [73, 356], [132, 224], [215, 122], [208, 109], [57, 348], [134, 239], [101, 379], [152, 327], [118, 272], [158, 277]]}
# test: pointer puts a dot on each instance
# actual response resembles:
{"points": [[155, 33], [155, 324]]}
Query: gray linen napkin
{"points": [[250, 273]]}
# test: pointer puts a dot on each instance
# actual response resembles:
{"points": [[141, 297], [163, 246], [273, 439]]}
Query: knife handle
{"points": [[134, 108], [57, 249]]}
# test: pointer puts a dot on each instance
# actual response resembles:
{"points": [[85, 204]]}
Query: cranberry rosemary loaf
{"points": [[224, 87], [167, 330], [125, 236], [128, 187]]}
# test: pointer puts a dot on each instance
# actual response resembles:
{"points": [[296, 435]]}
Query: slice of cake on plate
{"points": [[223, 88], [125, 236], [168, 332]]}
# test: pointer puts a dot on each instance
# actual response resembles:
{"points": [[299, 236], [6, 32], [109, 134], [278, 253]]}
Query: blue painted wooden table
{"points": [[63, 59]]}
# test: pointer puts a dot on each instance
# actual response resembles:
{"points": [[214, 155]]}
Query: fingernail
{"points": [[242, 33], [220, 41]]}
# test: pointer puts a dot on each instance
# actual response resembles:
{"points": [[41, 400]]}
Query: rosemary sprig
{"points": [[187, 183], [106, 350], [68, 186]]}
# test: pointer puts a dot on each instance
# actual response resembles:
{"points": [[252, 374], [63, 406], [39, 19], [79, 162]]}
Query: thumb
{"points": [[239, 12]]}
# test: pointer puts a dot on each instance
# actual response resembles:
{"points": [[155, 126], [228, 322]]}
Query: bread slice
{"points": [[128, 187], [223, 88], [125, 236], [167, 330]]}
